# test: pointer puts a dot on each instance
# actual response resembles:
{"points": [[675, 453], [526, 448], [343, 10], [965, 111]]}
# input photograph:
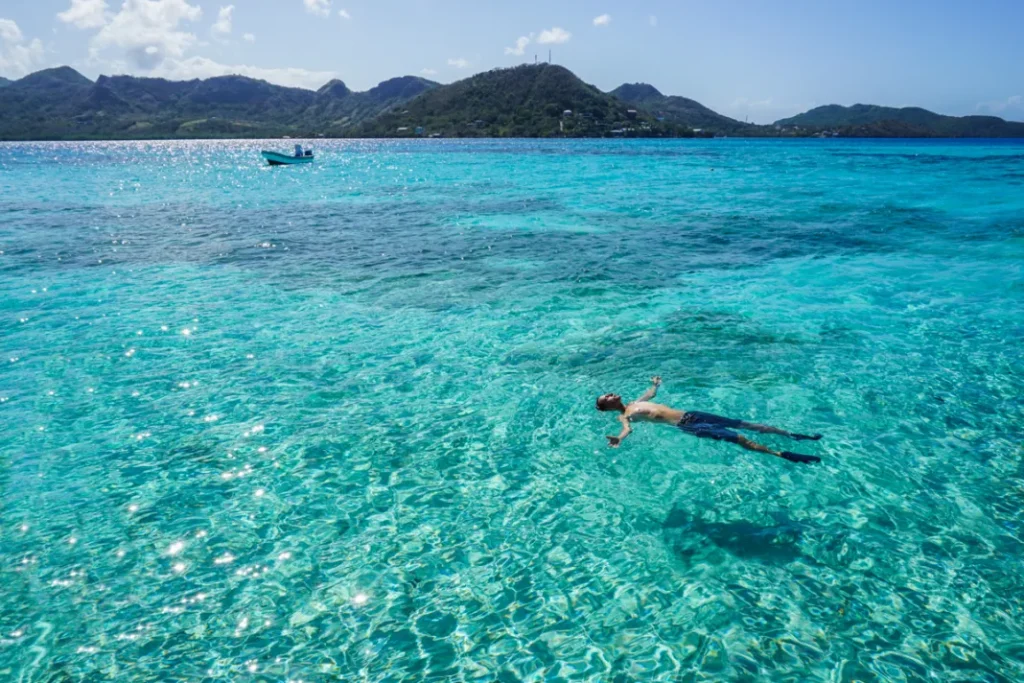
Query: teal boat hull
{"points": [[278, 159]]}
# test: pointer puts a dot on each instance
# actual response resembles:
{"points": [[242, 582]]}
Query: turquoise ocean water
{"points": [[337, 422]]}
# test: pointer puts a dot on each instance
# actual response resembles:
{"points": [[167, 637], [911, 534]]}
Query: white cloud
{"points": [[249, 38], [9, 32], [428, 72], [147, 30], [520, 48], [85, 13], [554, 36], [603, 20], [652, 20], [201, 67], [344, 14], [223, 25], [458, 63], [319, 7], [17, 55], [1013, 105]]}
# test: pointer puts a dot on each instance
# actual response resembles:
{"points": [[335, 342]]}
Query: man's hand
{"points": [[613, 441], [656, 381]]}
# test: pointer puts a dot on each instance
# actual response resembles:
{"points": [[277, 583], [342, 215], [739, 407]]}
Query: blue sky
{"points": [[755, 58]]}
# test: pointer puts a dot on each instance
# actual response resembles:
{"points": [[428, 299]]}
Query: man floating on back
{"points": [[702, 425]]}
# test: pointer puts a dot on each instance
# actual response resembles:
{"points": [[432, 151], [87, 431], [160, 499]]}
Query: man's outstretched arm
{"points": [[614, 441], [653, 391]]}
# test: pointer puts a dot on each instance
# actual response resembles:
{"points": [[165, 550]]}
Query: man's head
{"points": [[610, 402]]}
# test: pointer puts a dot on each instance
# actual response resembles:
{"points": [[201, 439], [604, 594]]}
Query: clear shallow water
{"points": [[337, 421]]}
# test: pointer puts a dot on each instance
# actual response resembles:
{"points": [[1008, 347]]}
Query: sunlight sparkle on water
{"points": [[441, 500]]}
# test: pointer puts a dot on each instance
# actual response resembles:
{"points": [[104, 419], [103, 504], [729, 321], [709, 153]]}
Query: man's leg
{"points": [[785, 455], [713, 431], [765, 429]]}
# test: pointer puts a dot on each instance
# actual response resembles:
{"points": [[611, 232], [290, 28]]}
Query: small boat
{"points": [[278, 159]]}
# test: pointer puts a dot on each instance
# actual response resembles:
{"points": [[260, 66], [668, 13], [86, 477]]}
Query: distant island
{"points": [[530, 101], [869, 120]]}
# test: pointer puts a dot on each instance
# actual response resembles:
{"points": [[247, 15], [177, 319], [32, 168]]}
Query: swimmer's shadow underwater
{"points": [[689, 536]]}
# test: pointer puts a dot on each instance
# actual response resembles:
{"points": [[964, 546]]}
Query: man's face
{"points": [[609, 402]]}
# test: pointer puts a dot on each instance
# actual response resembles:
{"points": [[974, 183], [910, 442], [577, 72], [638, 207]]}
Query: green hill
{"points": [[680, 110], [537, 100], [42, 104], [54, 79], [869, 120], [62, 104], [336, 108], [540, 100]]}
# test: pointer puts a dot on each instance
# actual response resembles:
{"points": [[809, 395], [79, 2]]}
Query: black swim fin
{"points": [[797, 457]]}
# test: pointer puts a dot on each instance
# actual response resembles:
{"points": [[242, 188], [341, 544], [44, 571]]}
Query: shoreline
{"points": [[537, 139]]}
